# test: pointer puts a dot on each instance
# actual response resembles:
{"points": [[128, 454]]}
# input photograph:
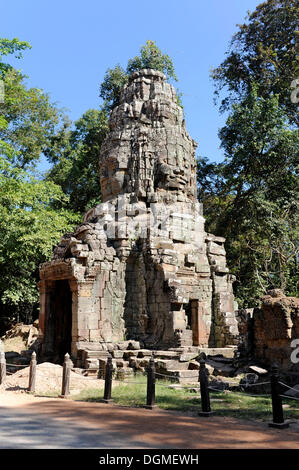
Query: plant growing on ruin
{"points": [[150, 57], [74, 148]]}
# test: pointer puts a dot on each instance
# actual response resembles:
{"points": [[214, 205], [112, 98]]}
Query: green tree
{"points": [[27, 117], [75, 155], [11, 47], [150, 57], [29, 223], [8, 46], [31, 119], [29, 227], [111, 86], [254, 192], [257, 197], [265, 51]]}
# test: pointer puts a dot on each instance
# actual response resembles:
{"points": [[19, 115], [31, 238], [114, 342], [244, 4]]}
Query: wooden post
{"points": [[67, 365], [100, 375], [204, 389], [32, 373], [108, 381], [151, 385], [2, 368], [278, 420]]}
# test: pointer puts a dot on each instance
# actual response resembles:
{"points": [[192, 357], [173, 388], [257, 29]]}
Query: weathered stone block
{"points": [[139, 259]]}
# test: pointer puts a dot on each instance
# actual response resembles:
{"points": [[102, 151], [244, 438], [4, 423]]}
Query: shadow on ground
{"points": [[69, 424]]}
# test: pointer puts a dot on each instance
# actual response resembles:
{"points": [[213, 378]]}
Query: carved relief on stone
{"points": [[143, 251]]}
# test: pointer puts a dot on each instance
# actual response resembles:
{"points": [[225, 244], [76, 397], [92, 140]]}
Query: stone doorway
{"points": [[135, 307], [61, 314], [194, 314]]}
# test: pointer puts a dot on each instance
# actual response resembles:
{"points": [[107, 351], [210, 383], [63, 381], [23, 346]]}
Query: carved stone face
{"points": [[111, 177], [176, 176]]}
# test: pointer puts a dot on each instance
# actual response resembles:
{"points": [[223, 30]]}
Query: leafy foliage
{"points": [[29, 223], [111, 86], [75, 154], [254, 195], [150, 57], [29, 227], [11, 46], [254, 192], [30, 120], [264, 51]]}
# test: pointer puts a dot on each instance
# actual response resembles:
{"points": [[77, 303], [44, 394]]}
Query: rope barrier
{"points": [[56, 378], [168, 376], [291, 398], [291, 388], [87, 378], [257, 395], [17, 365], [165, 386], [159, 384], [254, 385], [216, 389], [175, 376], [132, 383], [248, 394], [229, 383], [181, 386], [51, 377]]}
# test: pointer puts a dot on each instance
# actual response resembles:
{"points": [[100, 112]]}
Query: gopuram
{"points": [[140, 266]]}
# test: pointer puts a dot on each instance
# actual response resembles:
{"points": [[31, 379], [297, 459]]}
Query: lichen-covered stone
{"points": [[275, 325], [140, 266]]}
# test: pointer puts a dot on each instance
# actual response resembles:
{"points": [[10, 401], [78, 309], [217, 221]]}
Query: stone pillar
{"points": [[42, 313], [74, 289], [87, 317]]}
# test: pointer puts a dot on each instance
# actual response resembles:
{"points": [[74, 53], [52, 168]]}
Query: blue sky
{"points": [[74, 42]]}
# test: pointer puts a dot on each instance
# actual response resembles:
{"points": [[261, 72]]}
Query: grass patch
{"points": [[235, 404]]}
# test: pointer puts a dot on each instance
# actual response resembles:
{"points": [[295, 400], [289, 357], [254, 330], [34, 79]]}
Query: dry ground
{"points": [[49, 379], [27, 421]]}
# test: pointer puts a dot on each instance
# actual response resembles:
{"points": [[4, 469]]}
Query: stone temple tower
{"points": [[140, 266]]}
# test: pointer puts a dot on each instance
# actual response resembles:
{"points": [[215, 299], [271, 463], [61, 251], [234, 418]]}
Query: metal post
{"points": [[32, 373], [108, 381], [67, 365], [2, 367], [278, 420], [151, 384], [204, 389]]}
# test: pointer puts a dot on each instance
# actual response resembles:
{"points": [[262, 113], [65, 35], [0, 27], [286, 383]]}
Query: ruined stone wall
{"points": [[276, 323], [225, 327], [141, 265], [244, 318]]}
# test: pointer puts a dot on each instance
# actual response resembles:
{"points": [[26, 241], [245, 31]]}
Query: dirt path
{"points": [[34, 422]]}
